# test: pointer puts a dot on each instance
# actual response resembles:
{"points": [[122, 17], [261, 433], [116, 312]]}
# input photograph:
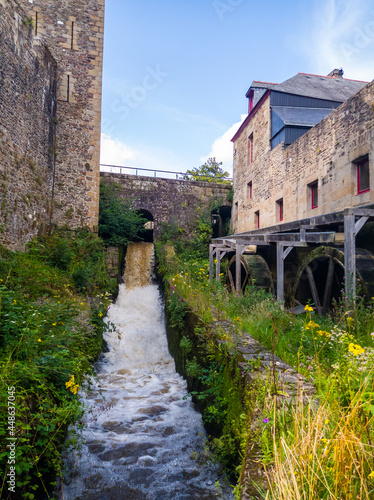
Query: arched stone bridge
{"points": [[172, 201]]}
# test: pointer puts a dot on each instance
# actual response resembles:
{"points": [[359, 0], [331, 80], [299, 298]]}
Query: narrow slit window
{"points": [[72, 35], [36, 23], [280, 209], [257, 219], [313, 188], [250, 148], [68, 88], [249, 190], [363, 176]]}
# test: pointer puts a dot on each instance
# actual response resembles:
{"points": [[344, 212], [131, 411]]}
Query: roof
{"points": [[316, 86], [303, 117]]}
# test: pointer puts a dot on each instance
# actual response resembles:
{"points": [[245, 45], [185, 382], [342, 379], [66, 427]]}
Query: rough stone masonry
{"points": [[51, 55]]}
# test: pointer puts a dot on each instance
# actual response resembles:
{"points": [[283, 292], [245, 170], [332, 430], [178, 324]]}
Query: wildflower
{"points": [[172, 288], [265, 420], [54, 324], [355, 349], [371, 475], [71, 385], [308, 308], [39, 340], [100, 314]]}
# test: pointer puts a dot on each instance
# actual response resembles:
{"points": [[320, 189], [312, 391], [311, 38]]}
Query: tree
{"points": [[119, 223], [210, 171]]}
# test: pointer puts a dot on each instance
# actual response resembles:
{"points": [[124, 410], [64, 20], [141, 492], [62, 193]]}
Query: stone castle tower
{"points": [[51, 54]]}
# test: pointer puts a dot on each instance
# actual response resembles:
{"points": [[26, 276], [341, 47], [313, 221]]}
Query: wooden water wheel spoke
{"points": [[313, 289], [329, 281], [231, 279]]}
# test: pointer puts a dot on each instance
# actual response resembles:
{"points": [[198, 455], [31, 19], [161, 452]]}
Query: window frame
{"points": [[249, 189], [279, 204], [359, 164], [257, 219], [312, 187], [250, 138]]}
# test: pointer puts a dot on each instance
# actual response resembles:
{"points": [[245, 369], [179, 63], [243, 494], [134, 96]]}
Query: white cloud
{"points": [[222, 147], [343, 36], [115, 152]]}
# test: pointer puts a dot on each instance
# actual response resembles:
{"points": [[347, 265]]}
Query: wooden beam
{"points": [[359, 211], [350, 257], [329, 280], [238, 256], [359, 224], [281, 256], [313, 289]]}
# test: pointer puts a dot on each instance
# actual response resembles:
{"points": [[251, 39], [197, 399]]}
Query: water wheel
{"points": [[320, 278], [253, 270]]}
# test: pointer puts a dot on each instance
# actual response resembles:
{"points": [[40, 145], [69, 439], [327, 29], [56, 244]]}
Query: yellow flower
{"points": [[100, 314], [371, 475], [311, 324], [81, 304], [308, 308], [39, 340], [54, 324], [355, 349], [71, 385]]}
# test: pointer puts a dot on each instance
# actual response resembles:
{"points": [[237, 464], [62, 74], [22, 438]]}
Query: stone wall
{"points": [[27, 123], [74, 33], [50, 113], [170, 200], [326, 153]]}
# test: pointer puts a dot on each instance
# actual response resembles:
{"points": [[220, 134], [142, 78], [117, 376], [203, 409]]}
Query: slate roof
{"points": [[319, 87], [303, 117]]}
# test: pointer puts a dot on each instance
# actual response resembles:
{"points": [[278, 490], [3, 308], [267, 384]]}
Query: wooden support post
{"points": [[238, 255], [280, 273], [313, 289], [281, 255], [350, 257], [211, 257], [329, 282]]}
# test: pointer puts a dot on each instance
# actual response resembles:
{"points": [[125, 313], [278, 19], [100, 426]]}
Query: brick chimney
{"points": [[336, 73]]}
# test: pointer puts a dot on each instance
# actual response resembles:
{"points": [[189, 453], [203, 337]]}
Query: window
{"points": [[249, 190], [257, 219], [280, 210], [250, 148], [313, 188], [363, 177]]}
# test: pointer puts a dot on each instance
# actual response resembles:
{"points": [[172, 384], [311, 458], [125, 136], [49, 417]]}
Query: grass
{"points": [[317, 450], [52, 301]]}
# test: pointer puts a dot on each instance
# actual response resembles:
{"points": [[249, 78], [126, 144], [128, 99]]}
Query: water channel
{"points": [[141, 439]]}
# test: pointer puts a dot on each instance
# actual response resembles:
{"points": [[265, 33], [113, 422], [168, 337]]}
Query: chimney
{"points": [[336, 73]]}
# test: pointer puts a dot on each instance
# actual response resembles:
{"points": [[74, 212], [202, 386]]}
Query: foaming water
{"points": [[141, 438]]}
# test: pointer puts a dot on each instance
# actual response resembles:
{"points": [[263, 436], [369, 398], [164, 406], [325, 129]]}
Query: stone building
{"points": [[303, 214], [300, 150], [51, 55]]}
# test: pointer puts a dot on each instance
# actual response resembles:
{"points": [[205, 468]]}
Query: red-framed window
{"points": [[250, 147], [363, 175], [313, 188], [280, 209], [257, 219], [249, 190]]}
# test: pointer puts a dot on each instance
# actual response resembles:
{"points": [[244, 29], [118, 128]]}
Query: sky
{"points": [[176, 72]]}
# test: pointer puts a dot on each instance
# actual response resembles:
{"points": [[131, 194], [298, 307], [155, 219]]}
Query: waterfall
{"points": [[142, 439]]}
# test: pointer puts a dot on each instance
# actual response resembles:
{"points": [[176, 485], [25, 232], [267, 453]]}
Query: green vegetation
{"points": [[210, 171], [52, 301], [322, 449], [119, 223]]}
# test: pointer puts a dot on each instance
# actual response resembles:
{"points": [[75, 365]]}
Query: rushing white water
{"points": [[142, 440]]}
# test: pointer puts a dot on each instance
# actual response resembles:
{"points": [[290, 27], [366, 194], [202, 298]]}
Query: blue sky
{"points": [[176, 71]]}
